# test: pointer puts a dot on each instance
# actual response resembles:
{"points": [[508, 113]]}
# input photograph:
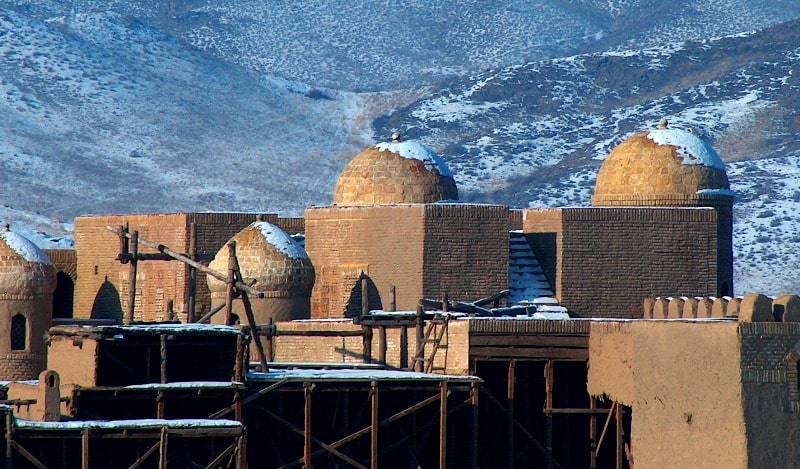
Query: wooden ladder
{"points": [[436, 335]]}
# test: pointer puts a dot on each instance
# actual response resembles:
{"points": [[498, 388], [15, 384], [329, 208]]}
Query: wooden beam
{"points": [[191, 294], [162, 449], [525, 340], [85, 448], [25, 454], [307, 387], [443, 426], [218, 460], [592, 433], [132, 279], [373, 395], [545, 353]]}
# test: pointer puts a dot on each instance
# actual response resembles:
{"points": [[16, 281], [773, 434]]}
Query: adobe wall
{"points": [[102, 287], [74, 359], [610, 259], [385, 242], [684, 389], [770, 355], [466, 251], [455, 357]]}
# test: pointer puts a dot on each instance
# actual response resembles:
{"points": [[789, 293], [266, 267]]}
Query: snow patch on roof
{"points": [[282, 241], [355, 375], [26, 249], [121, 424], [417, 151], [690, 147]]}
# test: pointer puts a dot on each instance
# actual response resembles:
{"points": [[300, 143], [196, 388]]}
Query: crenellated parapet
{"points": [[753, 307]]}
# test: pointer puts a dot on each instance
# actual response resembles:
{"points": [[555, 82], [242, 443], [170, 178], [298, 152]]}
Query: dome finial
{"points": [[396, 137], [662, 123]]}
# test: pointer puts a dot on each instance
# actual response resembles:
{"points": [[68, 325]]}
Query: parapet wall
{"points": [[753, 307]]}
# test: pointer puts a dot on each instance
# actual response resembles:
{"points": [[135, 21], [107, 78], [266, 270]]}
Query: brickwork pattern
{"points": [[291, 225], [102, 288], [21, 366], [385, 242], [64, 260], [610, 259], [384, 177], [465, 251], [767, 349]]}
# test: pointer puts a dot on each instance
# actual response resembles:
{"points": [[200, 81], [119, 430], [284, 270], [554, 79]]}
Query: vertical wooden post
{"points": [[364, 296], [445, 303], [419, 363], [160, 410], [163, 354], [237, 406], [403, 347], [593, 433], [192, 287], [270, 341], [393, 298], [548, 389], [620, 443], [511, 383], [443, 425], [132, 279], [366, 343], [9, 436], [170, 310], [473, 395], [241, 360], [231, 279], [84, 449], [373, 393], [162, 450], [307, 388], [382, 344]]}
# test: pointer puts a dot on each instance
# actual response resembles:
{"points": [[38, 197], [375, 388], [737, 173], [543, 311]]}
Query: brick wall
{"points": [[610, 259], [385, 242], [103, 282], [64, 260], [542, 228], [466, 251]]}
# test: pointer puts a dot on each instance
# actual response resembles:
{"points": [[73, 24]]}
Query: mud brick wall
{"points": [[466, 251], [291, 225], [102, 287], [385, 242], [609, 259], [64, 260], [542, 228]]}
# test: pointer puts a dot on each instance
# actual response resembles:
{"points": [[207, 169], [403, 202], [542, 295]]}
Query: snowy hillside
{"points": [[386, 45]]}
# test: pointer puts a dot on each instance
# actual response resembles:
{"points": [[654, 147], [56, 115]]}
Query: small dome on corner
{"points": [[24, 268]]}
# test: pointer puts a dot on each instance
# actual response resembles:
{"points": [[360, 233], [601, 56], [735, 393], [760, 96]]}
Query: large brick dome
{"points": [[267, 255], [395, 173], [24, 269], [661, 167]]}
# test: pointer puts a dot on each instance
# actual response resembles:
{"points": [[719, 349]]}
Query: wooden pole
{"points": [[443, 425], [620, 443], [170, 310], [382, 344], [197, 265], [373, 393], [420, 333], [241, 360], [270, 341], [307, 388], [548, 389], [232, 268], [510, 424], [473, 394], [251, 319], [593, 433], [403, 347], [192, 293], [162, 450], [393, 298], [9, 436], [132, 278], [163, 354], [366, 343], [364, 296], [445, 303], [84, 449], [160, 410]]}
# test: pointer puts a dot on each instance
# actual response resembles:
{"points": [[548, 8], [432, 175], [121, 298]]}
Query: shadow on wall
{"points": [[354, 304], [107, 304]]}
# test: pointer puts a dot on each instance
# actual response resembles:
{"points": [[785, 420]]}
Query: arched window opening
{"points": [[19, 332]]}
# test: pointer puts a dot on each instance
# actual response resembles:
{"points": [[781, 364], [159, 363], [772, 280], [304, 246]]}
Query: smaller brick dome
{"points": [[661, 167], [25, 269], [395, 173], [267, 255]]}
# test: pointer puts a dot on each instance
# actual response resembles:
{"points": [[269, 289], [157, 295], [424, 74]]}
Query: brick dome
{"points": [[24, 269], [661, 167], [395, 173], [267, 255]]}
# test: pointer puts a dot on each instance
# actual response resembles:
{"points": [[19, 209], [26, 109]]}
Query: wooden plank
{"points": [[498, 340], [541, 352], [218, 460], [25, 454]]}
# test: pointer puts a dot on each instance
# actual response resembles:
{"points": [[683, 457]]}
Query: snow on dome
{"points": [[417, 151], [691, 148], [395, 173], [24, 248], [282, 241]]}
